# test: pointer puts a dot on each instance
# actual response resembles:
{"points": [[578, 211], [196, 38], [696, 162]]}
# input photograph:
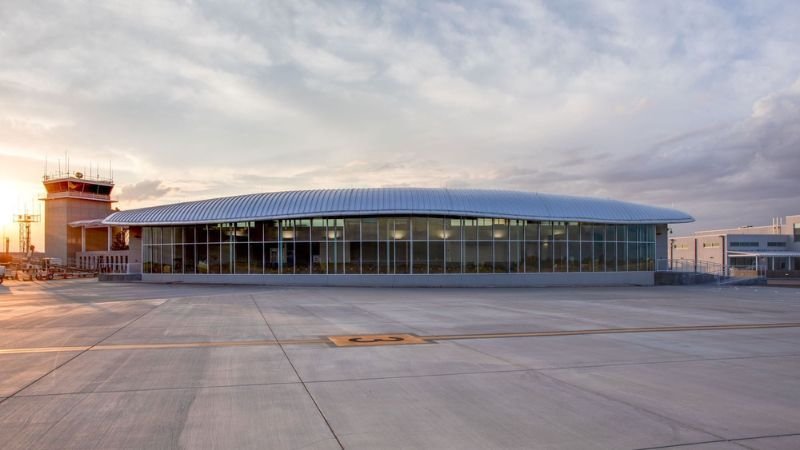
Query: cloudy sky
{"points": [[686, 104]]}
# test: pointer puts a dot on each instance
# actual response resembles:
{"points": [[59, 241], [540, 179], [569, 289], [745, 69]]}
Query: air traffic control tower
{"points": [[73, 197]]}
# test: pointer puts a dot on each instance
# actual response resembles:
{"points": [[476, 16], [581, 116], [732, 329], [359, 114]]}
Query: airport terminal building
{"points": [[400, 237]]}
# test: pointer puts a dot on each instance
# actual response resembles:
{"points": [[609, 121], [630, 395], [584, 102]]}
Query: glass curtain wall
{"points": [[398, 245]]}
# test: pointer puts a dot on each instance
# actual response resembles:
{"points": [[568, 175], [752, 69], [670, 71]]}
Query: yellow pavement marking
{"points": [[394, 339], [375, 339], [12, 351]]}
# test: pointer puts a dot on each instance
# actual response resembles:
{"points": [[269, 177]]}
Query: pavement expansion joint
{"points": [[365, 340]]}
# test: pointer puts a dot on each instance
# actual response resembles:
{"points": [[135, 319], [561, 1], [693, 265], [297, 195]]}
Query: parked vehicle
{"points": [[2, 274]]}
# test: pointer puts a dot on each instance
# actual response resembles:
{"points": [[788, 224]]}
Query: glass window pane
{"points": [[436, 229], [256, 231], [587, 259], [532, 231], [384, 250], [201, 234], [256, 250], [485, 258], [453, 250], [156, 255], [302, 231], [546, 257], [453, 232], [633, 256], [621, 233], [484, 229], [178, 258], [586, 232], [419, 228], [611, 232], [287, 230], [516, 229], [573, 231], [188, 235], [436, 251], [611, 256], [632, 233], [500, 229], [402, 257], [470, 229], [202, 257], [560, 256], [546, 232], [420, 255], [302, 253], [272, 260], [470, 256], [214, 233], [167, 236], [319, 255], [401, 230], [599, 256], [369, 230], [336, 255], [559, 231], [574, 252], [622, 262], [352, 229], [271, 230], [241, 264], [226, 258], [644, 257], [286, 256], [531, 255], [516, 254], [318, 231], [369, 252], [214, 258], [501, 255], [147, 259], [599, 233]]}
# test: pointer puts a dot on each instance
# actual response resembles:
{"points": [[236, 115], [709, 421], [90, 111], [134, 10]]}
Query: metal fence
{"points": [[721, 271]]}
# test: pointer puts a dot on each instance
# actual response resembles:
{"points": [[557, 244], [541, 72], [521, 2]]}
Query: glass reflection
{"points": [[397, 245]]}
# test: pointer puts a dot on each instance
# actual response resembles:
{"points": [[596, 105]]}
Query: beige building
{"points": [[74, 208], [774, 248]]}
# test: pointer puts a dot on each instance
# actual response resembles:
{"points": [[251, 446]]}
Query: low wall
{"points": [[119, 277], [439, 280], [683, 278]]}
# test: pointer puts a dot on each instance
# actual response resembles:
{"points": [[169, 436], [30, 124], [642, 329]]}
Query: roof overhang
{"points": [[335, 203]]}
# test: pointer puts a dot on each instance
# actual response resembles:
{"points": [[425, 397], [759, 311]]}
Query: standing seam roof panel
{"points": [[417, 201]]}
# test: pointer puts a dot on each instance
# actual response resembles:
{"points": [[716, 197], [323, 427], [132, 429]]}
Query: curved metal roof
{"points": [[394, 201]]}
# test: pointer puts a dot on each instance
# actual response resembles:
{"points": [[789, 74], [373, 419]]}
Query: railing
{"points": [[722, 273], [691, 266], [120, 268], [114, 261]]}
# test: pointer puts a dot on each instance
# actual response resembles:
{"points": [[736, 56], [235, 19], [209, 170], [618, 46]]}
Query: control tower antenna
{"points": [[25, 220]]}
